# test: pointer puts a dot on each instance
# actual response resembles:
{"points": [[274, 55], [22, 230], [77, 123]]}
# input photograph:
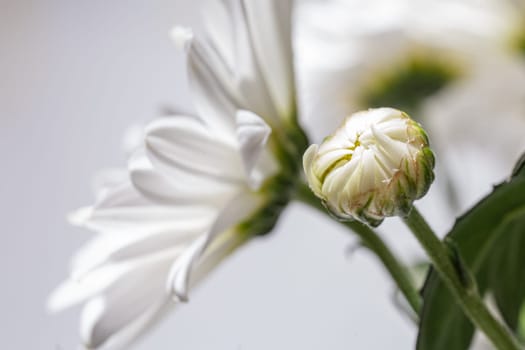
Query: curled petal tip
{"points": [[176, 286], [179, 294], [182, 36], [179, 297], [80, 216], [53, 304]]}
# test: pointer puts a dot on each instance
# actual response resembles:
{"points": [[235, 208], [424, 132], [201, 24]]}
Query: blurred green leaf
{"points": [[491, 240]]}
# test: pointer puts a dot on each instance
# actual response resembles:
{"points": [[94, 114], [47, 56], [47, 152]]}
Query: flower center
{"points": [[517, 41], [407, 85]]}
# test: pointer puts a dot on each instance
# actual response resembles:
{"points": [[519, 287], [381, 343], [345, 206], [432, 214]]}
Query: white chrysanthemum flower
{"points": [[201, 186], [121, 273], [375, 165]]}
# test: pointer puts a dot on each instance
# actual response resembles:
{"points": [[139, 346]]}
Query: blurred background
{"points": [[74, 75]]}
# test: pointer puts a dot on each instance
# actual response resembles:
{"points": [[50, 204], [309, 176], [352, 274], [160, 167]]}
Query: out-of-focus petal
{"points": [[125, 211], [113, 248], [211, 82], [186, 146], [246, 63], [270, 28], [111, 312], [73, 291], [181, 190], [112, 276], [127, 335], [252, 133], [237, 210]]}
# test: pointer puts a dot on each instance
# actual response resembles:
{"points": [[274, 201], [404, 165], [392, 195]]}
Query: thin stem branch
{"points": [[372, 241], [465, 293]]}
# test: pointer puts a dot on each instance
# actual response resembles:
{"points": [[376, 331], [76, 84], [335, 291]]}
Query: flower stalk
{"points": [[466, 294], [372, 241]]}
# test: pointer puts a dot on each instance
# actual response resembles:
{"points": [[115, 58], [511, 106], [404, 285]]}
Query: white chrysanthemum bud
{"points": [[375, 165]]}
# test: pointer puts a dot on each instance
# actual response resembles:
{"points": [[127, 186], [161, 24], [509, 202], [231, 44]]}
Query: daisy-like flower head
{"points": [[200, 185], [375, 165]]}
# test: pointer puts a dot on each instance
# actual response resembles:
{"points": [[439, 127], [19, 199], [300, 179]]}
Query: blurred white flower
{"points": [[480, 127], [355, 54], [200, 186]]}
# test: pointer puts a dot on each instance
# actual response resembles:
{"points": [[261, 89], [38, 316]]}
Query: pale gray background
{"points": [[73, 76]]}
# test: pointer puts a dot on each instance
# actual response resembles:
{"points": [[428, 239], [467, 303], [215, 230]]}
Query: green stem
{"points": [[464, 291], [373, 242]]}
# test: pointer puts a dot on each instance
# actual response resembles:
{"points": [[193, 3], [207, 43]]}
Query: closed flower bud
{"points": [[375, 165]]}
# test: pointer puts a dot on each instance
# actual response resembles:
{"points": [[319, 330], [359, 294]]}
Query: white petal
{"points": [[111, 276], [238, 209], [253, 133], [124, 302], [270, 28], [183, 190], [220, 29], [247, 71], [267, 165], [215, 96], [308, 161], [137, 327], [246, 64], [98, 251], [148, 219], [133, 138], [182, 37], [185, 147], [74, 291], [114, 248], [80, 216], [124, 210], [108, 179], [115, 322], [178, 280]]}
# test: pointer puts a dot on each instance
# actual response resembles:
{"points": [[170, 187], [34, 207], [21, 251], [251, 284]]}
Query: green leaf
{"points": [[508, 272], [490, 238], [521, 323]]}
